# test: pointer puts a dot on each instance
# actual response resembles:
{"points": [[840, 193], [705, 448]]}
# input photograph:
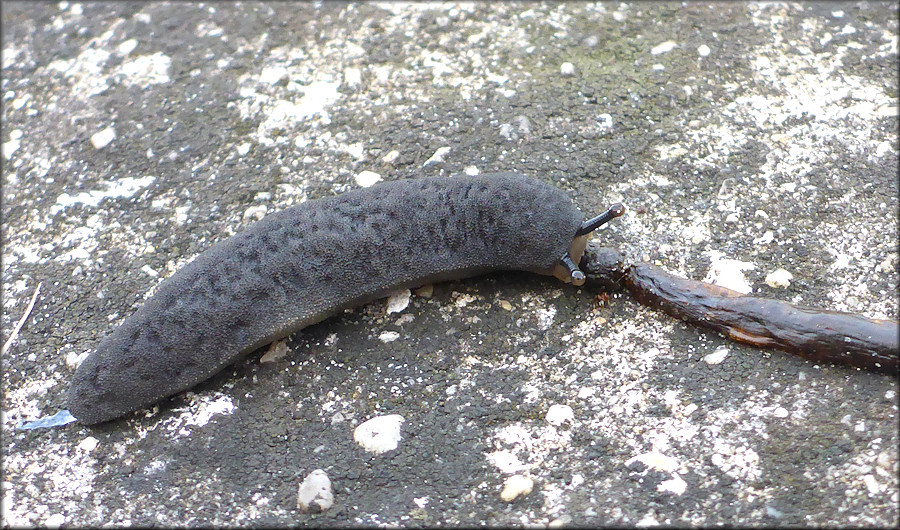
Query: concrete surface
{"points": [[136, 134]]}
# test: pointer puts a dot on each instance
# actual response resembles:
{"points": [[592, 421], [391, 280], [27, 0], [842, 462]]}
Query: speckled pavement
{"points": [[744, 138]]}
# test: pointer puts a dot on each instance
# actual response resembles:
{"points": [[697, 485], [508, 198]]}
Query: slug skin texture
{"points": [[301, 265]]}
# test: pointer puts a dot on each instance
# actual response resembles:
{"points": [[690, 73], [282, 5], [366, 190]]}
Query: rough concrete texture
{"points": [[136, 134]]}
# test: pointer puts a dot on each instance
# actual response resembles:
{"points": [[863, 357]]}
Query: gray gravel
{"points": [[137, 134]]}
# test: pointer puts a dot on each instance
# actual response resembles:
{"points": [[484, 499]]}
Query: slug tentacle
{"points": [[616, 210]]}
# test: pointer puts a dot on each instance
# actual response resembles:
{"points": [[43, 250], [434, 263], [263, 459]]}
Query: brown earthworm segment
{"points": [[816, 334]]}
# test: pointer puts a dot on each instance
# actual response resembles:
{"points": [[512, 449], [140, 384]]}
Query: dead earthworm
{"points": [[816, 334]]}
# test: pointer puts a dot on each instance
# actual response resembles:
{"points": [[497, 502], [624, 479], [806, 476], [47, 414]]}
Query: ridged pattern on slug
{"points": [[299, 266]]}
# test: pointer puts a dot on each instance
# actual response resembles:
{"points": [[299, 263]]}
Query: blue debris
{"points": [[60, 418]]}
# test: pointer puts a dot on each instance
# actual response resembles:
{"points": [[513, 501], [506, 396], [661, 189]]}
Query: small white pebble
{"points": [[398, 301], [664, 47], [352, 76], [675, 485], [315, 493], [471, 171], [379, 434], [272, 74], [277, 350], [390, 157], [703, 50], [729, 273], [605, 120], [103, 138], [149, 271], [779, 278], [356, 150], [367, 178], [848, 30], [559, 414], [388, 336], [243, 149], [717, 356], [438, 156], [127, 46], [88, 444], [765, 239], [515, 486], [55, 521], [781, 412], [255, 213], [789, 187], [657, 461], [871, 484], [567, 69]]}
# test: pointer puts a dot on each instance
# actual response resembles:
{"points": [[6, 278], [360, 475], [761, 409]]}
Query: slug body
{"points": [[301, 265]]}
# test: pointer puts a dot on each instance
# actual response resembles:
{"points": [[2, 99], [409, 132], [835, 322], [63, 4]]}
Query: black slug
{"points": [[303, 264]]}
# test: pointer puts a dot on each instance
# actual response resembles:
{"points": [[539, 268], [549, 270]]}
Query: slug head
{"points": [[567, 269]]}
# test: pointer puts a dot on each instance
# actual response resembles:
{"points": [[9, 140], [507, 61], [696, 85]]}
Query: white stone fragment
{"points": [[765, 239], [654, 460], [127, 46], [356, 150], [55, 521], [315, 494], [379, 434], [124, 188], [398, 301], [567, 69], [664, 47], [471, 171], [255, 213], [674, 485], [781, 412], [273, 74], [438, 156], [871, 484], [146, 70], [605, 121], [391, 156], [243, 149], [717, 356], [516, 486], [101, 139], [277, 350], [729, 273], [559, 414], [367, 178], [13, 144], [88, 444], [388, 336], [703, 50], [352, 76], [779, 278]]}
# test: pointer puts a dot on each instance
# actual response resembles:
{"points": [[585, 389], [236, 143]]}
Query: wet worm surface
{"points": [[816, 334]]}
